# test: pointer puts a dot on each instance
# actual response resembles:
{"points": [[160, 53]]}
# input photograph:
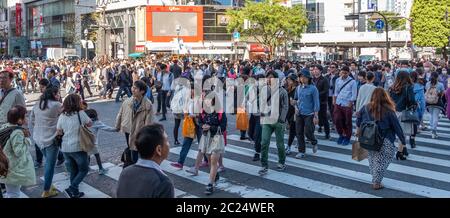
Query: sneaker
{"points": [[346, 141], [327, 136], [340, 140], [281, 167], [433, 134], [209, 189], [256, 157], [50, 193], [79, 195], [204, 164], [177, 165], [244, 138], [315, 148], [319, 130], [37, 165], [102, 171], [221, 169], [288, 150], [263, 171], [177, 142], [68, 193], [300, 155], [192, 171], [162, 119]]}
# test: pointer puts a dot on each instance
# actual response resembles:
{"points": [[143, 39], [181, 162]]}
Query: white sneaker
{"points": [[300, 155], [192, 171], [288, 150]]}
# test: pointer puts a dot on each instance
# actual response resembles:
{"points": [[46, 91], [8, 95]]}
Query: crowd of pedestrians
{"points": [[305, 99]]}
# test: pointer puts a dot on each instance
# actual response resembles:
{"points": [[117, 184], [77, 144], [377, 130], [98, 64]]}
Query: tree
{"points": [[395, 23], [271, 24], [430, 27]]}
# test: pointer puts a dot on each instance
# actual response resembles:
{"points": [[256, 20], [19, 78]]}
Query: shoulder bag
{"points": [[409, 115], [87, 138]]}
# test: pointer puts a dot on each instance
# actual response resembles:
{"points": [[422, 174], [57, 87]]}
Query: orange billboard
{"points": [[164, 23]]}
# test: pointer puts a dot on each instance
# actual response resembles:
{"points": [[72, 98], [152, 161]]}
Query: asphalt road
{"points": [[329, 173]]}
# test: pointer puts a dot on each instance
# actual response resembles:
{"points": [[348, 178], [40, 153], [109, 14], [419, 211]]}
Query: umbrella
{"points": [[136, 55]]}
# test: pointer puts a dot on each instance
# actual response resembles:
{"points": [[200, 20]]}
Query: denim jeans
{"points": [[123, 89], [186, 145], [50, 154], [77, 164], [39, 155], [267, 130]]}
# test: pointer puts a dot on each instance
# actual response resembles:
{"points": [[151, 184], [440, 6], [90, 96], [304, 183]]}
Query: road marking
{"points": [[61, 182], [288, 179], [223, 184], [349, 174], [114, 173], [348, 159]]}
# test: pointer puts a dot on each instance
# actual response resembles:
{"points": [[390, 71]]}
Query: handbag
{"points": [[217, 143], [409, 115], [87, 138], [358, 153], [188, 129], [241, 120]]}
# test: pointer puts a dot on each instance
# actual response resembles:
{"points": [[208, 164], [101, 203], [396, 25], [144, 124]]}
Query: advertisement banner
{"points": [[167, 22], [18, 19]]}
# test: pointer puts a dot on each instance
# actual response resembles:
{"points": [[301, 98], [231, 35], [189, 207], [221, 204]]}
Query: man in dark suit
{"points": [[145, 179]]}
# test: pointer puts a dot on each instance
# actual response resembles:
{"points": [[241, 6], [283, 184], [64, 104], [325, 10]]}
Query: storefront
{"points": [[50, 23]]}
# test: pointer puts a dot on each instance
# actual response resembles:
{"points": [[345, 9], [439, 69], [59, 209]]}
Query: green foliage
{"points": [[430, 28], [395, 23], [271, 23]]}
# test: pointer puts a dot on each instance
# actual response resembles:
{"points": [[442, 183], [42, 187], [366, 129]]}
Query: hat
{"points": [[306, 73], [293, 77]]}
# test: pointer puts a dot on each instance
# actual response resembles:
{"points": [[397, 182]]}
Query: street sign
{"points": [[236, 35], [379, 24]]}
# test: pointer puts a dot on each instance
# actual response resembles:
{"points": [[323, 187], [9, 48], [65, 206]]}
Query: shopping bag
{"points": [[358, 153], [241, 120], [188, 129]]}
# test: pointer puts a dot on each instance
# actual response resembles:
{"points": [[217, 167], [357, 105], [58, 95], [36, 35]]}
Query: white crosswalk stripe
{"points": [[292, 180], [61, 182]]}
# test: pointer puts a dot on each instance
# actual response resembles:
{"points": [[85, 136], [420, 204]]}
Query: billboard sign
{"points": [[167, 22]]}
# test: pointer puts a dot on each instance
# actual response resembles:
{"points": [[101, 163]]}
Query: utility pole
{"points": [[386, 24]]}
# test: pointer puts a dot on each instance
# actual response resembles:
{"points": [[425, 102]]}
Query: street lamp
{"points": [[86, 33], [178, 29], [385, 27]]}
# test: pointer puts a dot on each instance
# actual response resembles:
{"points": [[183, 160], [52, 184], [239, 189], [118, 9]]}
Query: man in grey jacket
{"points": [[145, 179], [273, 121]]}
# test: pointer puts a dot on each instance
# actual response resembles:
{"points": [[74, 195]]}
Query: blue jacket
{"points": [[307, 99]]}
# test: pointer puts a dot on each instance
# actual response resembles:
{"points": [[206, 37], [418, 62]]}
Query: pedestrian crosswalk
{"points": [[330, 172]]}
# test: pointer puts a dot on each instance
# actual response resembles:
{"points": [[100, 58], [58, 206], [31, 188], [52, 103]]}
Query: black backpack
{"points": [[370, 134]]}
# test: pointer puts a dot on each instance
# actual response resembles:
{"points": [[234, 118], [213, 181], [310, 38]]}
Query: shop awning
{"points": [[136, 55]]}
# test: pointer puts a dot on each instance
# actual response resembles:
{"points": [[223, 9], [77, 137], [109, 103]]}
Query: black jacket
{"points": [[332, 82], [124, 79], [323, 87], [176, 70]]}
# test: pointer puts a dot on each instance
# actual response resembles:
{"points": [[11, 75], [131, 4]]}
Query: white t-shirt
{"points": [[71, 128]]}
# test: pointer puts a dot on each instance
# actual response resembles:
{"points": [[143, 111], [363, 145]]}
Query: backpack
{"points": [[370, 135], [431, 95]]}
